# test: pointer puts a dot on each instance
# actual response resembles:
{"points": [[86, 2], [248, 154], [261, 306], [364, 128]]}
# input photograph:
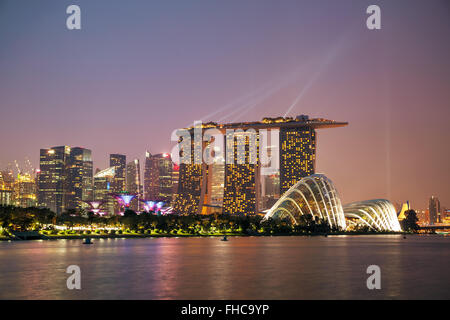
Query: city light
{"points": [[124, 199], [149, 205]]}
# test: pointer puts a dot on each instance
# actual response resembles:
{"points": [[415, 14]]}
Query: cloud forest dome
{"points": [[377, 214], [315, 195]]}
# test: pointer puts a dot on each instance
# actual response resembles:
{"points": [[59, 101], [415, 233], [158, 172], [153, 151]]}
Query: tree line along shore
{"points": [[76, 224]]}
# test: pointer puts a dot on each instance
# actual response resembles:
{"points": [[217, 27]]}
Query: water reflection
{"points": [[242, 268]]}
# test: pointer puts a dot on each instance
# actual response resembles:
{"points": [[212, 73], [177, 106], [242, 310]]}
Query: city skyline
{"points": [[83, 89], [84, 187], [145, 173]]}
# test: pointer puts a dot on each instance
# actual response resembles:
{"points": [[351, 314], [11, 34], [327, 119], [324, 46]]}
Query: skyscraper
{"points": [[52, 184], [175, 179], [189, 198], [134, 185], [103, 181], [25, 191], [7, 180], [151, 183], [434, 208], [119, 162], [216, 189], [6, 188], [65, 178], [80, 178], [158, 179], [241, 174], [297, 155]]}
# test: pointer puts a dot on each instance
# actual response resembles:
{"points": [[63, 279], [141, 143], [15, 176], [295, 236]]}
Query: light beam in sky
{"points": [[331, 56]]}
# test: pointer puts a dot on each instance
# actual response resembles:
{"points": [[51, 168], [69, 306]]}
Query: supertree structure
{"points": [[95, 206], [152, 205], [123, 199]]}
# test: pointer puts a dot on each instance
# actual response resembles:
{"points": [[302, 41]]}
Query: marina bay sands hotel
{"points": [[253, 165]]}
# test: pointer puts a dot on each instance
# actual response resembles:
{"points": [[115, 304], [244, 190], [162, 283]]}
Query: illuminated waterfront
{"points": [[244, 267]]}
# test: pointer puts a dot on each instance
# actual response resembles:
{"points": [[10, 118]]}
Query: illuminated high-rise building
{"points": [[191, 189], [25, 191], [165, 166], [134, 185], [270, 189], [158, 177], [6, 188], [217, 174], [445, 216], [65, 178], [119, 162], [103, 182], [151, 181], [270, 178], [242, 181], [175, 180], [80, 178], [434, 208], [187, 200], [249, 186], [297, 155], [52, 184], [7, 180]]}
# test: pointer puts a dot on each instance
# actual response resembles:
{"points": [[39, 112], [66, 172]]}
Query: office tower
{"points": [[25, 191], [158, 177], [165, 168], [133, 183], [151, 177], [6, 188], [7, 179], [434, 208], [103, 182], [80, 178], [119, 162], [52, 184], [65, 178], [246, 187]]}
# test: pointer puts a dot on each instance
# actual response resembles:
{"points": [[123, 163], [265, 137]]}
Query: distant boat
{"points": [[224, 238], [87, 241]]}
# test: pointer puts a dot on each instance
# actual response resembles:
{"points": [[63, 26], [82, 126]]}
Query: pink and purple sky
{"points": [[139, 69]]}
